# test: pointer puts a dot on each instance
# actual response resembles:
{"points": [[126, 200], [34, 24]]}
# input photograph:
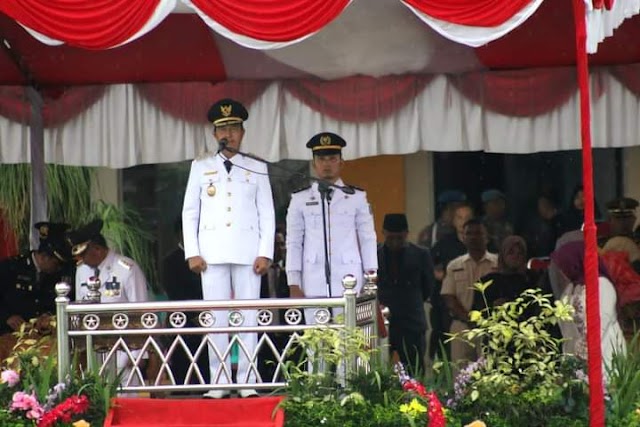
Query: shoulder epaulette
{"points": [[301, 189], [355, 188], [125, 263], [204, 155]]}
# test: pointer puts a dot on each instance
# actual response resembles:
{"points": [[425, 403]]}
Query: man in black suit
{"points": [[405, 280], [180, 284]]}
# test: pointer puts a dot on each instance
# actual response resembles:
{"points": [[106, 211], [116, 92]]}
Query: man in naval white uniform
{"points": [[229, 227], [121, 280], [351, 235]]}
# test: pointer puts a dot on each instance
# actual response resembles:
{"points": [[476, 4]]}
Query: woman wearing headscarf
{"points": [[511, 278], [569, 260]]}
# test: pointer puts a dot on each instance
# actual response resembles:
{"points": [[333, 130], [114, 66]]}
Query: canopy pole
{"points": [[594, 352], [39, 206]]}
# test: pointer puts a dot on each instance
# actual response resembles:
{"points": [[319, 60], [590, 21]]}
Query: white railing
{"points": [[123, 337]]}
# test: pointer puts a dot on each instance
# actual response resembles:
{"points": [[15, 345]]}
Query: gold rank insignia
{"points": [[325, 140], [225, 110], [211, 190]]}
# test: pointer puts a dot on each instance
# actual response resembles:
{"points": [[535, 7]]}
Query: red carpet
{"points": [[139, 412]]}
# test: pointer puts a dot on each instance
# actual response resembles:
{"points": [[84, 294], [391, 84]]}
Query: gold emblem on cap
{"points": [[325, 140], [225, 110], [44, 231], [211, 190]]}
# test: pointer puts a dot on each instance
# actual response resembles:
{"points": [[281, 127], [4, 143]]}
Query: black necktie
{"points": [[227, 165]]}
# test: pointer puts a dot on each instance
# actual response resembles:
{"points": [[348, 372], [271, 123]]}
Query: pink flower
{"points": [[35, 413], [10, 377], [22, 401]]}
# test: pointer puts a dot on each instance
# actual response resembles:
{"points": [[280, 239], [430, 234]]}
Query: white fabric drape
{"points": [[601, 22], [123, 129], [476, 36]]}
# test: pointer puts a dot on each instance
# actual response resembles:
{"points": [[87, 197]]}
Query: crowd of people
{"points": [[229, 247]]}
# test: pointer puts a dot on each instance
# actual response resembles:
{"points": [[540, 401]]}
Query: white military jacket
{"points": [[228, 218], [121, 280], [352, 240]]}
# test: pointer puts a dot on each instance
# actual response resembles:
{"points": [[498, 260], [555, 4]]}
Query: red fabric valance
{"points": [[629, 76], [518, 93], [60, 105], [360, 98], [474, 13], [91, 24], [190, 101], [272, 20]]}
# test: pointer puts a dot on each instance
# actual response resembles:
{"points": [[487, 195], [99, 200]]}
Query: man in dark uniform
{"points": [[180, 283], [405, 281], [622, 216], [28, 280]]}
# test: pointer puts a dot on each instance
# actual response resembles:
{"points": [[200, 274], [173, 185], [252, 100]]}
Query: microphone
{"points": [[222, 144]]}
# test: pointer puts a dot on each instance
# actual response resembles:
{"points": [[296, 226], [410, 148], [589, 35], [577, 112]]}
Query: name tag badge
{"points": [[312, 203]]}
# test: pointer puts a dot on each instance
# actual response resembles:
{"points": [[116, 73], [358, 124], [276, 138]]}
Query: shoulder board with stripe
{"points": [[124, 263], [301, 189]]}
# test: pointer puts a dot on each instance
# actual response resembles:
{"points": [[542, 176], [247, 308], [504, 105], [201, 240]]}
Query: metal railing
{"points": [[120, 338]]}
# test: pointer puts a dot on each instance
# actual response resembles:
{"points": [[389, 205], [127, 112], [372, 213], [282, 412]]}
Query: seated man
{"points": [[28, 284], [121, 279]]}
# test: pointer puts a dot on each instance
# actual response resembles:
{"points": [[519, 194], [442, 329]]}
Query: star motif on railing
{"points": [[149, 320], [120, 321], [177, 319], [91, 322], [264, 317], [322, 316], [236, 318], [293, 316], [207, 319]]}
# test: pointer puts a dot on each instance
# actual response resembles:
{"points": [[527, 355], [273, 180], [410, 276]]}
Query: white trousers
{"points": [[218, 280]]}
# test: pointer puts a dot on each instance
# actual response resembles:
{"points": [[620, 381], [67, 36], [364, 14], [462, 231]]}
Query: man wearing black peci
{"points": [[405, 281]]}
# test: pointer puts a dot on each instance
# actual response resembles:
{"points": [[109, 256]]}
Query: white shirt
{"points": [[228, 217], [352, 240], [121, 280]]}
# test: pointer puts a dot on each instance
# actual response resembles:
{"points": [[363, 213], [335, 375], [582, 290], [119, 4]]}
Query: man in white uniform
{"points": [[229, 226], [121, 279], [350, 230]]}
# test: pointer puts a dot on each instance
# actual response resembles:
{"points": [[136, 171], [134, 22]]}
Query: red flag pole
{"points": [[594, 352]]}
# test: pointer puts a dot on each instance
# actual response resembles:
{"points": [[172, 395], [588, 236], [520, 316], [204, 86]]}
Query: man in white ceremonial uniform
{"points": [[350, 230], [121, 280], [229, 226]]}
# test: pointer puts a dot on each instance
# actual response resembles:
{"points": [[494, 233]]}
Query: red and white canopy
{"points": [[370, 69]]}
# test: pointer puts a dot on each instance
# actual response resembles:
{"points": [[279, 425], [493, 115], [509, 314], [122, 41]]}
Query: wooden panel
{"points": [[383, 179]]}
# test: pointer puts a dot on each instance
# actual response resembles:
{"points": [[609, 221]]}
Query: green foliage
{"points": [[522, 378], [68, 195], [369, 398], [518, 349], [623, 385]]}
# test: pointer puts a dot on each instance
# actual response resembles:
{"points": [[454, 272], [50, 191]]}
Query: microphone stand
{"points": [[325, 195]]}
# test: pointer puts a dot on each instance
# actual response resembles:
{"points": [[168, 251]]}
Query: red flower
{"points": [[65, 411], [436, 414]]}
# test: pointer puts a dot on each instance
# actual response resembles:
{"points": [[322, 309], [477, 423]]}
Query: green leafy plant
{"points": [[522, 377], [370, 397], [623, 385]]}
